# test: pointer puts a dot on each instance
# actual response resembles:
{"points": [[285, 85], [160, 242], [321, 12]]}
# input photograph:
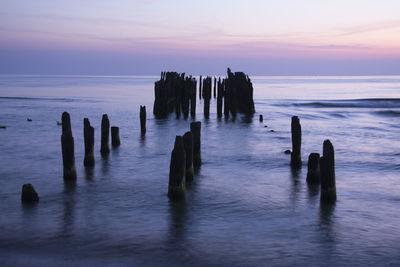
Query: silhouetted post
{"points": [[67, 147], [226, 98], [215, 87], [188, 144], [200, 86], [143, 119], [177, 181], [88, 135], [313, 173], [105, 135], [28, 194], [193, 99], [195, 128], [207, 83], [327, 167], [220, 98], [261, 118], [115, 141], [295, 158]]}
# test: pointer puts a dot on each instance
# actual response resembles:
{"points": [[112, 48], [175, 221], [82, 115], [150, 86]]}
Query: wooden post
{"points": [[327, 168], [207, 96], [177, 181], [193, 99], [261, 118], [143, 119], [28, 194], [115, 141], [215, 87], [195, 128], [200, 86], [220, 98], [313, 173], [105, 135], [67, 147], [88, 135], [295, 157], [226, 98], [188, 144]]}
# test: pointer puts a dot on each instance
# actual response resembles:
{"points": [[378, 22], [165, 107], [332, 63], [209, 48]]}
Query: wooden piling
{"points": [[215, 87], [295, 157], [115, 141], [105, 135], [88, 136], [177, 170], [313, 173], [193, 98], [200, 86], [188, 144], [261, 119], [67, 147], [220, 98], [143, 119], [327, 170], [195, 128], [29, 194], [207, 83]]}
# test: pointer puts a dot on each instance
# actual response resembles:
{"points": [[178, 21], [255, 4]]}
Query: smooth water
{"points": [[245, 207]]}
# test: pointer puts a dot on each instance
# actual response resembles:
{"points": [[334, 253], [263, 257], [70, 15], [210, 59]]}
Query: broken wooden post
{"points": [[105, 135], [313, 173], [195, 128], [261, 118], [177, 181], [188, 144], [143, 119], [193, 98], [327, 170], [215, 87], [207, 96], [28, 194], [67, 147], [88, 136], [115, 141], [295, 157]]}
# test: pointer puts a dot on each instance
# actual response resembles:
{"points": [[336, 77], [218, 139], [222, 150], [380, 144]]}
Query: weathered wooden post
{"points": [[220, 98], [295, 157], [195, 128], [115, 141], [193, 99], [105, 135], [28, 194], [200, 86], [88, 135], [188, 144], [261, 118], [226, 98], [67, 147], [177, 181], [207, 96], [313, 173], [327, 168], [215, 87], [143, 119]]}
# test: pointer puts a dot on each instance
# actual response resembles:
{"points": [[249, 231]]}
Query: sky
{"points": [[145, 37]]}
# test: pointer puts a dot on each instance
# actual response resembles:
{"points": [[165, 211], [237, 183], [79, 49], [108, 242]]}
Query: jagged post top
{"points": [[328, 150], [86, 122], [66, 124], [195, 125]]}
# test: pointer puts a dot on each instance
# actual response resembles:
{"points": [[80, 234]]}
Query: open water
{"points": [[245, 207]]}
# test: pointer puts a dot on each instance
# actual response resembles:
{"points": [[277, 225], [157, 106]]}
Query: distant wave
{"points": [[389, 113], [353, 103]]}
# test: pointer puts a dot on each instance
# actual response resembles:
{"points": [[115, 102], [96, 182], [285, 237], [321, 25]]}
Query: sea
{"points": [[245, 206]]}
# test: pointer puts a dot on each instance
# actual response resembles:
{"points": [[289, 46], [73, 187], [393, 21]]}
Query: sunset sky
{"points": [[286, 37]]}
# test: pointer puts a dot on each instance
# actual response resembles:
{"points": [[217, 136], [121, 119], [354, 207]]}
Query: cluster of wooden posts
{"points": [[321, 170], [176, 92]]}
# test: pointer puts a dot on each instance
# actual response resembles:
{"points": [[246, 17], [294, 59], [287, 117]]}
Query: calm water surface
{"points": [[245, 207]]}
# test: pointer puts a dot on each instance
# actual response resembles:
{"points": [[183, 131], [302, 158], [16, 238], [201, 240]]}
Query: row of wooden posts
{"points": [[176, 92], [320, 169]]}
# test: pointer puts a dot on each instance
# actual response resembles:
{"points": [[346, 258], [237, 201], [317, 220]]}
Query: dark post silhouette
{"points": [[215, 87], [28, 194], [67, 147], [200, 86], [295, 157], [88, 135], [220, 98], [105, 135], [193, 99], [177, 181], [143, 119], [207, 83], [115, 141], [188, 144], [195, 128], [327, 168], [261, 118], [313, 173]]}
